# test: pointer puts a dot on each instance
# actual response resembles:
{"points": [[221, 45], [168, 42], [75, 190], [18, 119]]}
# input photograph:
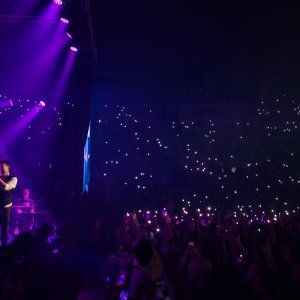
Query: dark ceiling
{"points": [[185, 38]]}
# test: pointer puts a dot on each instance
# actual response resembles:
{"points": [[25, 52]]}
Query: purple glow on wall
{"points": [[20, 7], [37, 72], [36, 33], [41, 44]]}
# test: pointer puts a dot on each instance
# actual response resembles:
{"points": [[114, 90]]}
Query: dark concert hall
{"points": [[149, 150]]}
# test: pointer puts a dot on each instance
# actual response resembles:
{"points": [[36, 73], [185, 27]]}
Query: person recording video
{"points": [[148, 280]]}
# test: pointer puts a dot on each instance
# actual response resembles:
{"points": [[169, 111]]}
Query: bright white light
{"points": [[64, 20]]}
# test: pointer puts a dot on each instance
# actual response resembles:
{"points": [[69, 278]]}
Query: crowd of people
{"points": [[208, 255], [234, 176], [187, 253], [43, 264]]}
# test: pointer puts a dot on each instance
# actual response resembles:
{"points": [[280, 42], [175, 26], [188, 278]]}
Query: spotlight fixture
{"points": [[69, 35], [72, 48], [64, 20], [6, 103], [42, 103], [58, 2]]}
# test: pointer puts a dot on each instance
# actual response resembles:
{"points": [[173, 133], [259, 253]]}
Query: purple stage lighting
{"points": [[69, 35], [42, 103], [63, 79], [64, 20], [58, 2], [74, 49], [9, 136]]}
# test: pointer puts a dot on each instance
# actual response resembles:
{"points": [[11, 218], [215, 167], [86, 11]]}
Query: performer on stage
{"points": [[7, 184], [26, 213]]}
